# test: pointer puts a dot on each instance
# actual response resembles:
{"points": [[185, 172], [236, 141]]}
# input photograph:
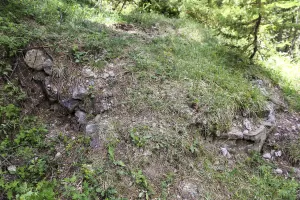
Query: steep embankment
{"points": [[170, 113]]}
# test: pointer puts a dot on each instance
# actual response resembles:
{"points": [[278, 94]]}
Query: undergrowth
{"points": [[212, 78], [29, 168], [255, 179]]}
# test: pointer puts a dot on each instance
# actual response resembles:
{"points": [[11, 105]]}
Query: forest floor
{"points": [[171, 113]]}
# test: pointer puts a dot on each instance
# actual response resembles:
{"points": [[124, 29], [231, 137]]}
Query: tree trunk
{"points": [[256, 31]]}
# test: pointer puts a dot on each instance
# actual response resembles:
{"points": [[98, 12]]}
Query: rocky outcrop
{"points": [[79, 91], [38, 60]]}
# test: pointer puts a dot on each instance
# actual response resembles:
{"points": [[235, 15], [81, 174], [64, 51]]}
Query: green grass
{"points": [[179, 68], [213, 80], [286, 75], [255, 179]]}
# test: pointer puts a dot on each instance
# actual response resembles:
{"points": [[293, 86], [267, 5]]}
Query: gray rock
{"points": [[12, 169], [97, 118], [278, 153], [55, 107], [51, 89], [111, 73], [188, 190], [271, 117], [272, 152], [268, 124], [57, 155], [35, 59], [105, 75], [81, 117], [278, 171], [257, 134], [70, 104], [247, 124], [91, 128], [234, 134], [277, 134], [79, 93], [95, 142], [47, 66], [267, 156], [106, 93], [225, 152], [88, 73], [296, 172]]}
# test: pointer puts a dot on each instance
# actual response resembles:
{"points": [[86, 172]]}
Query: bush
{"points": [[169, 8]]}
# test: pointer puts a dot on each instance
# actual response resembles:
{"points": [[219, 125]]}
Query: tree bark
{"points": [[256, 30], [255, 41]]}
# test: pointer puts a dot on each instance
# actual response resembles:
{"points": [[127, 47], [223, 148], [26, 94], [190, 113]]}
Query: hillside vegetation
{"points": [[162, 89]]}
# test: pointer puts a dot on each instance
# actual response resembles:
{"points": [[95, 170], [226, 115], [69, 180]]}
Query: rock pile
{"points": [[72, 91]]}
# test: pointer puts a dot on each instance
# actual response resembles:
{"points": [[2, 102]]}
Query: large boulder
{"points": [[37, 59]]}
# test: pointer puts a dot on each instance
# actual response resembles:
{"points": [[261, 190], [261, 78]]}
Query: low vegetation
{"points": [[185, 85]]}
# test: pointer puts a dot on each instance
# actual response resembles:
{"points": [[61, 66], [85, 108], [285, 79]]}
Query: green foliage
{"points": [[194, 147], [211, 75], [253, 26], [139, 141], [255, 179], [23, 142], [141, 180], [169, 8], [293, 151], [5, 68], [111, 154], [165, 184]]}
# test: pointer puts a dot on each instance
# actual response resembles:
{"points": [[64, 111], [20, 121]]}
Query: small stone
{"points": [[277, 134], [70, 104], [257, 134], [95, 142], [79, 93], [188, 190], [105, 75], [12, 169], [247, 124], [267, 156], [245, 132], [294, 128], [91, 128], [235, 134], [47, 66], [88, 73], [51, 89], [57, 155], [97, 118], [81, 117], [298, 126], [278, 153], [111, 73], [225, 152], [272, 152], [279, 171], [107, 93], [55, 107]]}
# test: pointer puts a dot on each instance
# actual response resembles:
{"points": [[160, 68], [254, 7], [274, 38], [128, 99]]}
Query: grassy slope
{"points": [[178, 65]]}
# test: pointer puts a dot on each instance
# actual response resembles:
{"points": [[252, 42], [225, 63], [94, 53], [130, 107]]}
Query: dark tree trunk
{"points": [[255, 41]]}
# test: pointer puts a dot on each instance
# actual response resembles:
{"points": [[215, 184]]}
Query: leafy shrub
{"points": [[169, 8]]}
